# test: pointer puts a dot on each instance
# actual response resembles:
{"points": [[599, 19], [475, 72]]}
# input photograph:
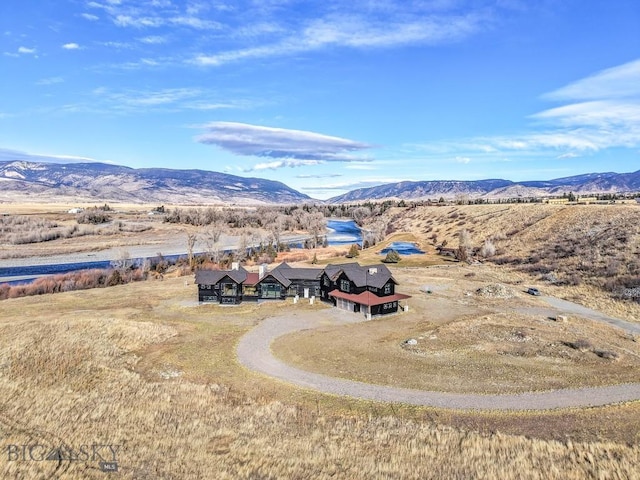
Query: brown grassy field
{"points": [[467, 342], [573, 251], [141, 367]]}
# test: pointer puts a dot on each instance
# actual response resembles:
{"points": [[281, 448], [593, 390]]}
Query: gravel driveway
{"points": [[254, 353]]}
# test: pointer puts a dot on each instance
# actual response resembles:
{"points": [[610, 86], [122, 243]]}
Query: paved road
{"points": [[254, 352]]}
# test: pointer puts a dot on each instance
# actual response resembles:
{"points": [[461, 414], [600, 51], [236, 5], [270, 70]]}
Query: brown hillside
{"points": [[596, 245]]}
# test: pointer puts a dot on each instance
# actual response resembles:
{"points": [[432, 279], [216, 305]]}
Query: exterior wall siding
{"points": [[271, 289]]}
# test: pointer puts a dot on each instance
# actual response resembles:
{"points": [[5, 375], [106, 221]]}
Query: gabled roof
{"points": [[211, 277], [360, 275], [367, 298], [292, 273], [277, 276]]}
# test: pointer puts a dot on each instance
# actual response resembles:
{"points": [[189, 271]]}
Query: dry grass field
{"points": [[142, 368], [131, 228], [467, 342], [572, 251]]}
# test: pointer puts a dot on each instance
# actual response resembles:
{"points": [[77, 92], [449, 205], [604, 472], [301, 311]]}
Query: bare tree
{"points": [[276, 227], [315, 225], [191, 242], [212, 238], [243, 245], [360, 215], [464, 246]]}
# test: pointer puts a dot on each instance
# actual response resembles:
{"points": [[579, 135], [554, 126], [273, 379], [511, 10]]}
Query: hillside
{"points": [[28, 181], [496, 188], [590, 245]]}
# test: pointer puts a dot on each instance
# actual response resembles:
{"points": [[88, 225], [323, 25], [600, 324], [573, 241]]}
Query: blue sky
{"points": [[325, 96]]}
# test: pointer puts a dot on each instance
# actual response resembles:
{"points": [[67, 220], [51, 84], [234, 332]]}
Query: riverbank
{"points": [[168, 247]]}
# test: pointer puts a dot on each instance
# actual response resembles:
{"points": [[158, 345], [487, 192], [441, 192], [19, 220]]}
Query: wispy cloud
{"points": [[327, 175], [153, 40], [71, 46], [618, 82], [129, 101], [292, 148], [600, 112], [9, 155], [26, 51], [90, 17], [50, 81], [356, 32]]}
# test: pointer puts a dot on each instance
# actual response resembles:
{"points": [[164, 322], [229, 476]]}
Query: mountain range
{"points": [[21, 180], [590, 183], [91, 181]]}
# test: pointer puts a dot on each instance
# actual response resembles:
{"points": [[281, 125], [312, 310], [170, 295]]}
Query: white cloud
{"points": [[25, 50], [291, 147], [328, 175], [617, 82], [71, 46], [153, 40], [166, 96], [90, 17], [464, 160], [138, 22], [168, 99], [281, 164], [357, 32], [9, 155], [600, 112], [50, 81]]}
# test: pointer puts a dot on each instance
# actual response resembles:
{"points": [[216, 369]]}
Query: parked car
{"points": [[533, 291]]}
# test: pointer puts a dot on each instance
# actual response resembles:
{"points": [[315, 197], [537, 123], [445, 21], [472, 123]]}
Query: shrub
{"points": [[488, 249], [354, 251], [392, 257], [581, 344], [94, 216], [607, 354]]}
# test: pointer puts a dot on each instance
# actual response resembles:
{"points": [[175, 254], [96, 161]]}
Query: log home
{"points": [[370, 290]]}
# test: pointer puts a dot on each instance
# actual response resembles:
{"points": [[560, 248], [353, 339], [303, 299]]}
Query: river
{"points": [[340, 232]]}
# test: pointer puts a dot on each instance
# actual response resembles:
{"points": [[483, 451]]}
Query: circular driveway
{"points": [[254, 353]]}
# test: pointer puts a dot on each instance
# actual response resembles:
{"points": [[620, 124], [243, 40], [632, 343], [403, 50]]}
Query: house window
{"points": [[345, 286], [270, 290], [387, 289], [229, 290]]}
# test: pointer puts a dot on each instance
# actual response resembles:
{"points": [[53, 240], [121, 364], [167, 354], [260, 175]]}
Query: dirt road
{"points": [[254, 352]]}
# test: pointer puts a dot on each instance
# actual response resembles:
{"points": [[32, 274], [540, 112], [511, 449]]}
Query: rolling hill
{"points": [[581, 184], [22, 180]]}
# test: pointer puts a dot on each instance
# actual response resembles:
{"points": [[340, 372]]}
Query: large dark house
{"points": [[237, 285], [370, 290]]}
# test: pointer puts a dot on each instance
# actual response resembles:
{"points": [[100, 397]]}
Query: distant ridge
{"points": [[100, 181], [590, 183]]}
